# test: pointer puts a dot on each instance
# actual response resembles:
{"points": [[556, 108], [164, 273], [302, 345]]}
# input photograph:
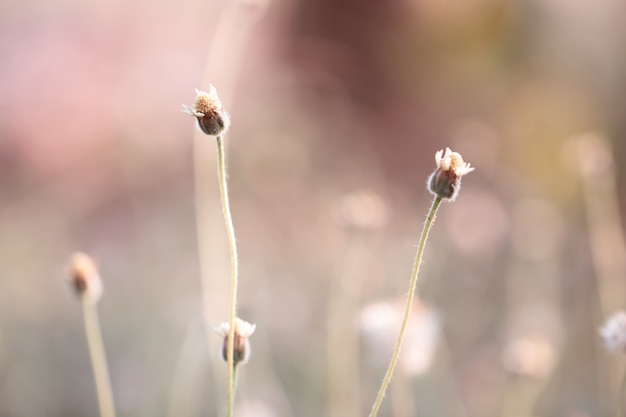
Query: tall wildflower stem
{"points": [[230, 230], [430, 218], [98, 358]]}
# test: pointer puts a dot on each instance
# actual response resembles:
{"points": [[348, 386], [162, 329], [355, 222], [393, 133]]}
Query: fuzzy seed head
{"points": [[208, 110], [613, 333], [84, 277], [241, 345], [445, 181]]}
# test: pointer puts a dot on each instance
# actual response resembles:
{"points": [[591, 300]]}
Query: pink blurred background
{"points": [[326, 98]]}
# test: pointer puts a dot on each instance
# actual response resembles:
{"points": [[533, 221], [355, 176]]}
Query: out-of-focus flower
{"points": [[255, 408], [482, 144], [445, 182], [538, 229], [363, 209], [241, 345], [532, 356], [207, 108], [379, 323], [484, 220], [613, 333], [84, 277], [595, 156]]}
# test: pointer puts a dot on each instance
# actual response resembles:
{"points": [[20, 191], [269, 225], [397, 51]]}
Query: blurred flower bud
{"points": [[613, 333], [241, 346], [531, 356], [84, 277], [207, 108], [445, 182]]}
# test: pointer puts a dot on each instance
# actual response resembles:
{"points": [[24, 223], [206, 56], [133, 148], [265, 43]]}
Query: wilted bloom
{"points": [[241, 346], [84, 277], [613, 333], [207, 108], [445, 182]]}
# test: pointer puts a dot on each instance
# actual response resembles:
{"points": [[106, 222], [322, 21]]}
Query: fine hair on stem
{"points": [[409, 303]]}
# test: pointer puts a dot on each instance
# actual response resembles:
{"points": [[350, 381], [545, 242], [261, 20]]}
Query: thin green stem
{"points": [[98, 359], [409, 304], [230, 230]]}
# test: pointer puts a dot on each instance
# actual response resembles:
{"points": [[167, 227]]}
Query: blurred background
{"points": [[338, 108]]}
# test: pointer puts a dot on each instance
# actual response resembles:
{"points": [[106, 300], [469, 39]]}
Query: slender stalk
{"points": [[221, 170], [409, 304], [229, 40], [184, 391], [342, 342], [402, 402], [98, 359], [212, 253], [622, 398]]}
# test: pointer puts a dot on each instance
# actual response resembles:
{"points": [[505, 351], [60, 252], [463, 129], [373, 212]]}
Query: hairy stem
{"points": [[98, 359], [228, 220], [409, 304]]}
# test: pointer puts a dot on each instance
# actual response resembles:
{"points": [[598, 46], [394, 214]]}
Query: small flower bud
{"points": [[445, 182], [241, 346], [212, 119], [613, 333], [84, 277]]}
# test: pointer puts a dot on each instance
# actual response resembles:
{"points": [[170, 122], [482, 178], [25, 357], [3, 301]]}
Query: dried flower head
{"points": [[445, 182], [84, 277], [207, 108], [613, 333], [241, 346]]}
